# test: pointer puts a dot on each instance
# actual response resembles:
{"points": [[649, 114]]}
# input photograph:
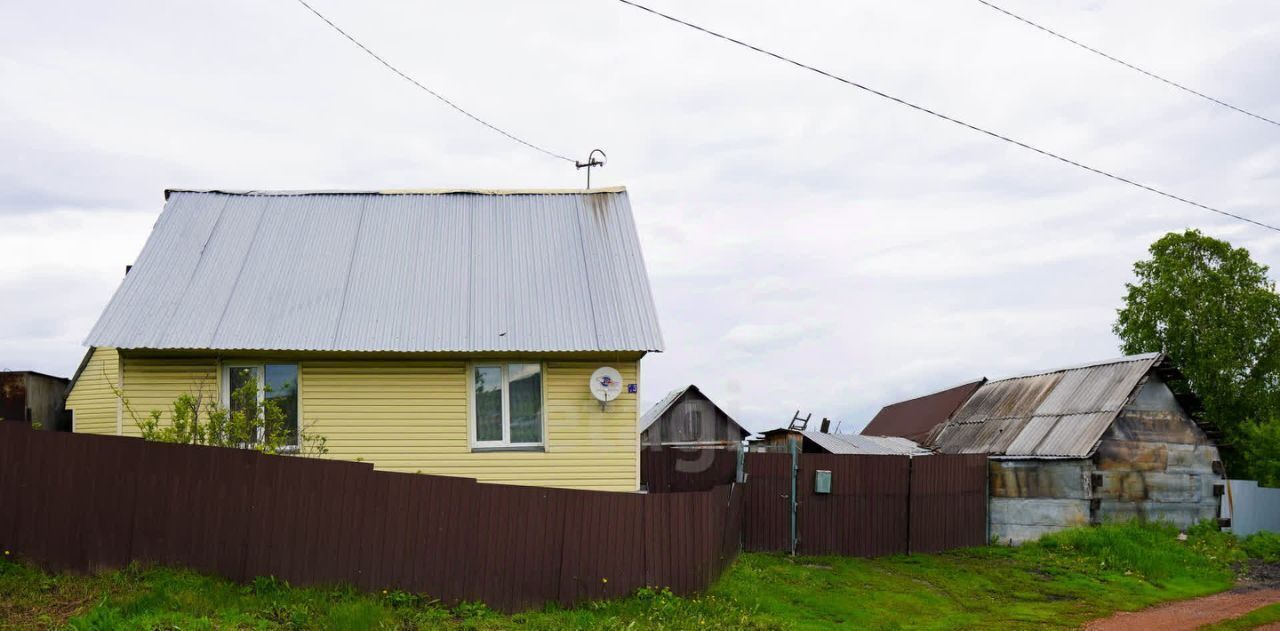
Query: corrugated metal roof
{"points": [[1058, 414], [872, 445], [914, 419], [407, 272], [660, 408]]}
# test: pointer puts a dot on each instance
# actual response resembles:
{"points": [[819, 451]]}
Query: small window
{"points": [[248, 385], [506, 405]]}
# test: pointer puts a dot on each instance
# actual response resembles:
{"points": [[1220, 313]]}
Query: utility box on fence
{"points": [[822, 481]]}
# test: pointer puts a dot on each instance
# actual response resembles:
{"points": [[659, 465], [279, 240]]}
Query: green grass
{"points": [[1060, 582], [1251, 620]]}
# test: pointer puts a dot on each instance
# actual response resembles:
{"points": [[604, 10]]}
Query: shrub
{"points": [[1263, 545]]}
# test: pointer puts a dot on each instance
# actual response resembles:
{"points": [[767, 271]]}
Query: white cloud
{"points": [[811, 246]]}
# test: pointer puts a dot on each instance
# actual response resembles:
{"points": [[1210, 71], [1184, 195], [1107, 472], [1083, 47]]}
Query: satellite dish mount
{"points": [[606, 385]]}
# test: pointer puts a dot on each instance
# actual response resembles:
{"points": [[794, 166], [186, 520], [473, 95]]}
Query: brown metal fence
{"points": [[877, 505], [679, 470], [80, 502]]}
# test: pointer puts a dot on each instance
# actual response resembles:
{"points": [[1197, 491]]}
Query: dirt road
{"points": [[1190, 614]]}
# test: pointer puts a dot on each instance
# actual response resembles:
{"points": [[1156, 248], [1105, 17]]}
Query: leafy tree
{"points": [[1214, 310]]}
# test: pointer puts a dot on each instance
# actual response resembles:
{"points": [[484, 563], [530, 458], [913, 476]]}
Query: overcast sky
{"points": [[810, 246]]}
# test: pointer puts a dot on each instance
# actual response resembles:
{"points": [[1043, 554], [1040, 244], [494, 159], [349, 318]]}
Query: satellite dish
{"points": [[606, 384]]}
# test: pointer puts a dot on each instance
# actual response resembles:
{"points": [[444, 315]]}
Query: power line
{"points": [[947, 118], [1129, 65], [433, 92]]}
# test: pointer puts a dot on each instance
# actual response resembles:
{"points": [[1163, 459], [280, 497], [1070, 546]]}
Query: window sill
{"points": [[536, 448]]}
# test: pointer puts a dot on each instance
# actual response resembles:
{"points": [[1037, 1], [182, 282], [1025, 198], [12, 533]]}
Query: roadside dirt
{"points": [[1259, 587], [1190, 614]]}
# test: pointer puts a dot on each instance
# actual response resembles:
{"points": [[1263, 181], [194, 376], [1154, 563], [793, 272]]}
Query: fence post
{"points": [[911, 481], [795, 471]]}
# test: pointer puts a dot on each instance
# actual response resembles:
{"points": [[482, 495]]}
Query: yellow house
{"points": [[446, 332]]}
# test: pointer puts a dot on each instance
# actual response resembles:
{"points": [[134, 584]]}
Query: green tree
{"points": [[1214, 310]]}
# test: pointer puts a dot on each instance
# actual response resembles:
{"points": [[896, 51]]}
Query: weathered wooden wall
{"points": [[693, 419], [1153, 463], [34, 398]]}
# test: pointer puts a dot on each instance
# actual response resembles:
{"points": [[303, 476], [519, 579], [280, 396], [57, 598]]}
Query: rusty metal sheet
{"points": [[1057, 414], [914, 419]]}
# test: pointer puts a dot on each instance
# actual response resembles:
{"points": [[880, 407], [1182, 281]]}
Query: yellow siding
{"points": [[412, 416], [154, 383], [92, 400]]}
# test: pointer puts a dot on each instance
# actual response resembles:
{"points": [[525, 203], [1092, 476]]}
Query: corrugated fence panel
{"points": [[82, 502], [948, 502], [865, 514], [677, 470], [768, 504]]}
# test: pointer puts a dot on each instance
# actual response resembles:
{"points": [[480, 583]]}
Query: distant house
{"points": [[915, 419], [1102, 442], [446, 332], [688, 418], [820, 442], [33, 398]]}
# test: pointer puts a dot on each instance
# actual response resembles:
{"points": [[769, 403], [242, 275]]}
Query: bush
{"points": [[1144, 548], [1264, 546]]}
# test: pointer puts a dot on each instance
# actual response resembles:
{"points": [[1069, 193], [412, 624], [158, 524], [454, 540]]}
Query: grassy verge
{"points": [[1057, 583]]}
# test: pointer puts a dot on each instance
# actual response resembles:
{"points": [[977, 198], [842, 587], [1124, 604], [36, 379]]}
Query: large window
{"points": [[506, 405], [263, 386]]}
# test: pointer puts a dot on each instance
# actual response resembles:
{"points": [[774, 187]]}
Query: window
{"points": [[246, 386], [506, 405]]}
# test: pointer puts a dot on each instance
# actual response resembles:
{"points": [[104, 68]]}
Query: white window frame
{"points": [[224, 392], [505, 443]]}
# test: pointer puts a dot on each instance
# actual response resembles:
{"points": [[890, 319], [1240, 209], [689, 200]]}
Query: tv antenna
{"points": [[592, 161]]}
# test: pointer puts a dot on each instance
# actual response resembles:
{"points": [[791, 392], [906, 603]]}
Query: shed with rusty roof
{"points": [[1101, 442]]}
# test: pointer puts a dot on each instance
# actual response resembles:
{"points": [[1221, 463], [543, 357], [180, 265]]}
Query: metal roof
{"points": [[453, 271], [915, 418], [1056, 414], [661, 407], [856, 444]]}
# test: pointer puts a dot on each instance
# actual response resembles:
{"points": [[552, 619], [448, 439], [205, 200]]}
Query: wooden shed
{"points": [[1108, 441], [35, 398], [688, 418]]}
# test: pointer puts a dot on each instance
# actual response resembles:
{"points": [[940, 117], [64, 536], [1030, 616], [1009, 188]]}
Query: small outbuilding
{"points": [[1103, 442], [34, 398], [914, 419], [688, 418]]}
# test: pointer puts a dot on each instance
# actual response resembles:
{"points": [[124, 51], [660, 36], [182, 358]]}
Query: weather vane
{"points": [[592, 161]]}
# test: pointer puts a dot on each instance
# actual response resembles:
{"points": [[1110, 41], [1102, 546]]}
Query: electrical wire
{"points": [[950, 119], [1129, 65], [433, 92]]}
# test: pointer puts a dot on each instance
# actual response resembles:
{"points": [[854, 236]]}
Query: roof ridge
{"points": [[980, 381], [401, 191], [1127, 359]]}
